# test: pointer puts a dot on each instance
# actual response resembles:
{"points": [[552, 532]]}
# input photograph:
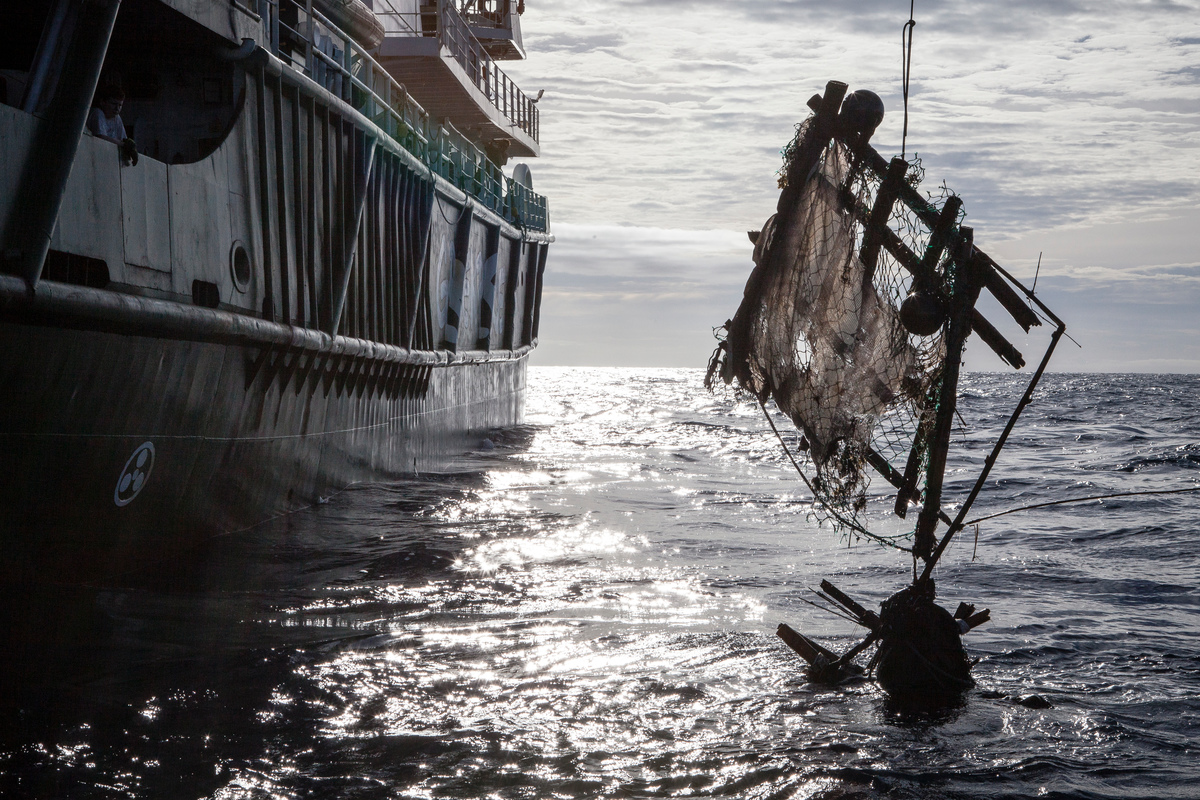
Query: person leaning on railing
{"points": [[105, 121]]}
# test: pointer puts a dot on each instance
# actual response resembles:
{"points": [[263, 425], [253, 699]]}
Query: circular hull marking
{"points": [[134, 476]]}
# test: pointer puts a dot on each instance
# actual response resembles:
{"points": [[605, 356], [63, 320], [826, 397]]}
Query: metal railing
{"points": [[485, 12], [303, 38], [455, 34], [407, 22], [527, 207]]}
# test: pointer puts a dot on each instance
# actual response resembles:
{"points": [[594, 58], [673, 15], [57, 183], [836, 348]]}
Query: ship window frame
{"points": [[241, 281]]}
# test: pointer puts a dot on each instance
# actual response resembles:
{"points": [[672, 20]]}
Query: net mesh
{"points": [[819, 332]]}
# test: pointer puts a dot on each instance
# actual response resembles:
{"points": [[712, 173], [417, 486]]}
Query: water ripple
{"points": [[587, 610]]}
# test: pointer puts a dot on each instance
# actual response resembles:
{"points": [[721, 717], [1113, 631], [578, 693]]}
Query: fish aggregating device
{"points": [[853, 322]]}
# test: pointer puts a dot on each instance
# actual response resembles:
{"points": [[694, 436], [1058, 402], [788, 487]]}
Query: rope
{"points": [[828, 610], [851, 524], [906, 41], [1082, 500]]}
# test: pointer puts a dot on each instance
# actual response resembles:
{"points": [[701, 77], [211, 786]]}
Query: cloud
{"points": [[636, 296], [1038, 113], [639, 296], [1071, 128], [875, 16]]}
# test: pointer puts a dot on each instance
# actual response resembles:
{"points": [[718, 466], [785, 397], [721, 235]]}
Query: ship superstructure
{"points": [[313, 271]]}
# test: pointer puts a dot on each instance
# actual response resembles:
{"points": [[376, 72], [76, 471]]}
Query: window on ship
{"points": [[181, 97]]}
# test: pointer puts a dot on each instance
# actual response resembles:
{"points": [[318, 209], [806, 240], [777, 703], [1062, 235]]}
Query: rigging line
{"points": [[906, 41], [1046, 320], [852, 525], [787, 450], [828, 610], [1033, 291], [1082, 500]]}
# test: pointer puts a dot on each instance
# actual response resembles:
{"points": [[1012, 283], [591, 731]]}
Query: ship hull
{"points": [[229, 435]]}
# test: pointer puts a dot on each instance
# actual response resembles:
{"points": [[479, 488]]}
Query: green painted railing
{"points": [[302, 37]]}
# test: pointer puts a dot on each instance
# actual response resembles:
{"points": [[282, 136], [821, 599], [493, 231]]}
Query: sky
{"points": [[1070, 128]]}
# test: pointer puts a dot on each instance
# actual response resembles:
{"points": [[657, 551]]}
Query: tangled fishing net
{"points": [[819, 332]]}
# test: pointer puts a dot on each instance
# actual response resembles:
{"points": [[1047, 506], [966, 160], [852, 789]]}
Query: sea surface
{"points": [[586, 607]]}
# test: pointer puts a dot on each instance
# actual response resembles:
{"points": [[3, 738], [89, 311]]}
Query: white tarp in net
{"points": [[820, 333]]}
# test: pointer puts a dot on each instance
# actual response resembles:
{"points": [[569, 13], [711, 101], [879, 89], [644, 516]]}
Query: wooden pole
{"points": [[806, 648], [964, 291], [957, 525], [881, 212]]}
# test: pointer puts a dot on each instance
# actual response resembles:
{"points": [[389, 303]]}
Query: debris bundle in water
{"points": [[920, 646]]}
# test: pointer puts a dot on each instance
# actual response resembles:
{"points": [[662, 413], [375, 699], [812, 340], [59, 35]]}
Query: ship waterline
{"points": [[236, 434]]}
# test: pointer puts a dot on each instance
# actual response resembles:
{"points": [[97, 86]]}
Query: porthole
{"points": [[239, 266]]}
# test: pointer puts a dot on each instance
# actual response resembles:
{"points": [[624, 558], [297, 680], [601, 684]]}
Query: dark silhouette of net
{"points": [[819, 332]]}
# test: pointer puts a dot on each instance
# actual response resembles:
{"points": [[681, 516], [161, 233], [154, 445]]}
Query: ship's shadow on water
{"points": [[578, 611], [165, 682]]}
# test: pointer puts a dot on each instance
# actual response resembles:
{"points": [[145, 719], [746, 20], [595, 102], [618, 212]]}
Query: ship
{"points": [[304, 268]]}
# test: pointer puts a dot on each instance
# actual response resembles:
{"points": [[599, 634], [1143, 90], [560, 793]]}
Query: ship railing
{"points": [[527, 207], [404, 23], [455, 34], [478, 13], [305, 39]]}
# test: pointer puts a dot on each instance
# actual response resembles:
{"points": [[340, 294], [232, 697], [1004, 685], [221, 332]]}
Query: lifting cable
{"points": [[906, 42]]}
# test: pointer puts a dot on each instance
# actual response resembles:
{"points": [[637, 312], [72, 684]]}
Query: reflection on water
{"points": [[588, 610]]}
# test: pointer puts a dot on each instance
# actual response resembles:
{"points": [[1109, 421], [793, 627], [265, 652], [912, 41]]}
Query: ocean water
{"points": [[586, 608]]}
